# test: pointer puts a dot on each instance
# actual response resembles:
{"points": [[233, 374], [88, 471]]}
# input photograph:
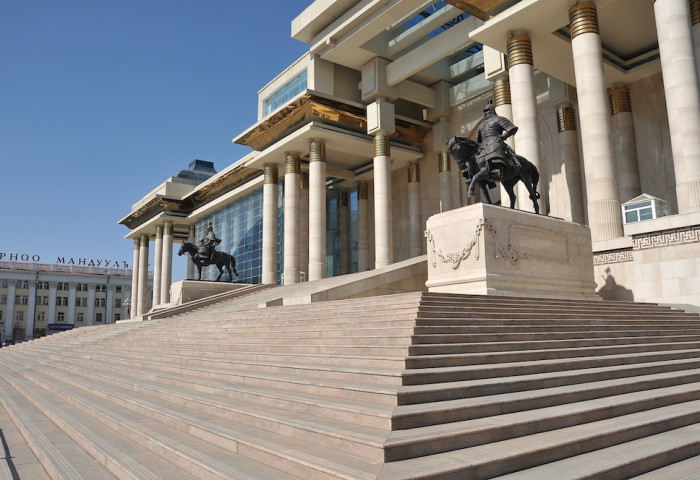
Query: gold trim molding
{"points": [[519, 50], [583, 18]]}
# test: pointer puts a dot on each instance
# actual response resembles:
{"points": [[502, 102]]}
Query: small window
{"points": [[4, 283], [98, 318], [80, 317], [60, 316]]}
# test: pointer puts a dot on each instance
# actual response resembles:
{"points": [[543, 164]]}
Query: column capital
{"points": [[382, 145], [619, 100], [362, 191], [413, 173], [519, 48], [291, 163], [270, 173], [317, 151], [443, 162], [583, 18], [694, 12], [566, 119]]}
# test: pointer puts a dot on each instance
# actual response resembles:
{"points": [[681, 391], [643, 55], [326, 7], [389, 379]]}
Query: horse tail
{"points": [[232, 262]]}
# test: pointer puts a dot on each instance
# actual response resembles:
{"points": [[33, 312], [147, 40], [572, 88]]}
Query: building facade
{"points": [[349, 154], [38, 299]]}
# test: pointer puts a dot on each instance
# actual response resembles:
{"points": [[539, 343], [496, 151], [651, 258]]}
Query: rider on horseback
{"points": [[493, 149], [207, 246]]}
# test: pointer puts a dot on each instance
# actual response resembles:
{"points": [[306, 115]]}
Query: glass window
{"points": [[20, 316], [98, 317], [118, 303], [60, 316], [4, 283], [285, 93], [3, 299]]}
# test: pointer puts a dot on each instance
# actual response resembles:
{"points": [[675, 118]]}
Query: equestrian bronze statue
{"points": [[206, 254], [491, 159]]}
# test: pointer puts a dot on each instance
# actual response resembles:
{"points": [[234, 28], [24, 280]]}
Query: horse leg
{"points": [[221, 271], [199, 271], [531, 185], [511, 193], [476, 179]]}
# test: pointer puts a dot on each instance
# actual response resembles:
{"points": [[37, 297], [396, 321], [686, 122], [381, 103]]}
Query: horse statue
{"points": [[479, 171], [220, 259]]}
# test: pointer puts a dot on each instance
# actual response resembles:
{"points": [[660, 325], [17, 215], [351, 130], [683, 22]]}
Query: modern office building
{"points": [[37, 299], [349, 154]]}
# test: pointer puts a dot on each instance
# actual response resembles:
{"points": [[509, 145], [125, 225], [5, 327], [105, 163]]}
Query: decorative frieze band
{"points": [[616, 256], [667, 238]]}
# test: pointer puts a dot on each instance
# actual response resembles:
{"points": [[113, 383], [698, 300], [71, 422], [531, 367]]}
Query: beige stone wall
{"points": [[659, 261]]}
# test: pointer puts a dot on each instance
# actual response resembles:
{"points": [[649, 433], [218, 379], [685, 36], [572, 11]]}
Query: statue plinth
{"points": [[491, 250]]}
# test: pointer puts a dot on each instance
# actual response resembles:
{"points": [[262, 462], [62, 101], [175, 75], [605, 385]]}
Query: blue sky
{"points": [[103, 100]]}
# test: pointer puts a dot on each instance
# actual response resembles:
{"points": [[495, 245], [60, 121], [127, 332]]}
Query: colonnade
{"points": [[305, 224], [141, 300], [605, 116]]}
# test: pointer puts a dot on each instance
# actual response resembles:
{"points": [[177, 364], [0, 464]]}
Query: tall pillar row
{"points": [[317, 210], [571, 165], [503, 105], [135, 278], [362, 227], [604, 216], [680, 76], [415, 225], [269, 237], [190, 265], [524, 104], [444, 177], [624, 144], [292, 190], [143, 299], [304, 226], [383, 242], [167, 263], [157, 264]]}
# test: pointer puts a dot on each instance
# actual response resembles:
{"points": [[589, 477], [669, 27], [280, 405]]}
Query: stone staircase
{"points": [[406, 386]]}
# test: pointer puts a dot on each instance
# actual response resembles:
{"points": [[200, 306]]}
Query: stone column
{"points": [[570, 164], [317, 210], [269, 237], [91, 305], [304, 226], [444, 177], [292, 187], [343, 219], [190, 266], [10, 320], [524, 105], [134, 279], [624, 144], [604, 216], [157, 265], [383, 241], [680, 77], [416, 228], [29, 333], [362, 227], [143, 276], [167, 263], [504, 107], [71, 303], [109, 307]]}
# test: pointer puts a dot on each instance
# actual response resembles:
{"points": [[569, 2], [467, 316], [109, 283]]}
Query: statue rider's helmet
{"points": [[489, 108]]}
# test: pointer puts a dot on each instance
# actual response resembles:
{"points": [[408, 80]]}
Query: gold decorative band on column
{"points": [[343, 198], [317, 151], [362, 192], [270, 173], [566, 119], [382, 146], [519, 50], [694, 12], [159, 231], [583, 18], [304, 181], [443, 162], [501, 92], [413, 173], [619, 100], [291, 163], [168, 228]]}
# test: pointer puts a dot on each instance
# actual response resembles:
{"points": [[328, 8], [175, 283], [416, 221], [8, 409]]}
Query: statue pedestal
{"points": [[190, 290], [491, 250]]}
